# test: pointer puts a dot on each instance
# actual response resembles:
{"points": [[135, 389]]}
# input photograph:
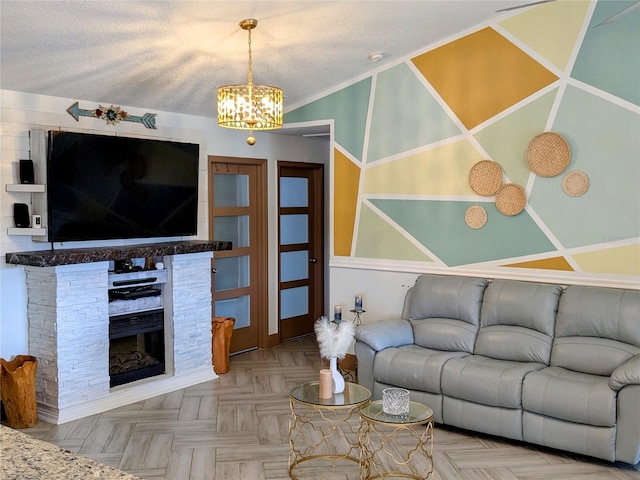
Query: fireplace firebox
{"points": [[136, 347]]}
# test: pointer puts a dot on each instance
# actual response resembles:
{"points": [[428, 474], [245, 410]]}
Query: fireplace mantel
{"points": [[72, 256]]}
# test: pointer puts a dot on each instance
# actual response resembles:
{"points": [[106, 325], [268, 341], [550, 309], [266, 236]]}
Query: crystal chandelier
{"points": [[250, 106]]}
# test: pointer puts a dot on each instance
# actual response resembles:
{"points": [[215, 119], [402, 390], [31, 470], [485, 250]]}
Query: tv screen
{"points": [[102, 187]]}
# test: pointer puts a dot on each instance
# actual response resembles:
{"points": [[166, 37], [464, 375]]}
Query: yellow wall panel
{"points": [[561, 23], [556, 263], [439, 171], [346, 178], [622, 261], [482, 74]]}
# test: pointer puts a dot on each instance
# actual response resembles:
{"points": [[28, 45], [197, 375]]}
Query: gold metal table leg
{"points": [[395, 450], [319, 432]]}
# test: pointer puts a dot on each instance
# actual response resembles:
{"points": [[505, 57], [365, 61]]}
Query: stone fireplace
{"points": [[69, 326]]}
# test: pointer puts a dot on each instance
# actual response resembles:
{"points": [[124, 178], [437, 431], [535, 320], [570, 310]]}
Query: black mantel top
{"points": [[52, 258]]}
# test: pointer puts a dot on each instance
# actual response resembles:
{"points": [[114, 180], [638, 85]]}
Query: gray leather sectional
{"points": [[546, 364]]}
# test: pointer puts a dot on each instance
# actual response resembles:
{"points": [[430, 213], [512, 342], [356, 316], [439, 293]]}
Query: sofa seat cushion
{"points": [[486, 380], [412, 367], [571, 396]]}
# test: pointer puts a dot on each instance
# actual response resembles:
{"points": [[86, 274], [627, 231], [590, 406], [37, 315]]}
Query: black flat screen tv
{"points": [[102, 187]]}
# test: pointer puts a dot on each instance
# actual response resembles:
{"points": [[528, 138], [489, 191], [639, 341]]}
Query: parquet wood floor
{"points": [[236, 427]]}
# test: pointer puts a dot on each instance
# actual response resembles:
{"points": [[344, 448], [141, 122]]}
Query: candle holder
{"points": [[357, 321]]}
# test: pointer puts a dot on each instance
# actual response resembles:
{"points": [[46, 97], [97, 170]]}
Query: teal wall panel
{"points": [[605, 144], [348, 107], [405, 115], [440, 226], [609, 57]]}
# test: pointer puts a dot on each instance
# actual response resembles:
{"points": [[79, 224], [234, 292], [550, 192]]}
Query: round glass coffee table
{"points": [[324, 430], [402, 441]]}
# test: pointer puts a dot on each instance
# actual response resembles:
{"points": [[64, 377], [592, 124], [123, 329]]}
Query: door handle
{"points": [[214, 270], [313, 260]]}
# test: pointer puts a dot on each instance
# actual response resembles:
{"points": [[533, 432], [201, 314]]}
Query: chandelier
{"points": [[250, 106]]}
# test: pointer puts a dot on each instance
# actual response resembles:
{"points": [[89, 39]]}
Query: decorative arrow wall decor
{"points": [[112, 115]]}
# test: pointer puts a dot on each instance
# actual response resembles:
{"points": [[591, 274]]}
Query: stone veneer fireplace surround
{"points": [[69, 325]]}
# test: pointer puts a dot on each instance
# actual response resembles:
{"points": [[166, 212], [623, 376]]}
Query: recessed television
{"points": [[102, 187]]}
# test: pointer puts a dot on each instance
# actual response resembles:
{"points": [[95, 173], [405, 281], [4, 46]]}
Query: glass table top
{"points": [[309, 393], [418, 414]]}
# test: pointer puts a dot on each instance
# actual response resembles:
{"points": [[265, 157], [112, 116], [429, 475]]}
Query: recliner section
{"points": [[514, 339], [529, 361]]}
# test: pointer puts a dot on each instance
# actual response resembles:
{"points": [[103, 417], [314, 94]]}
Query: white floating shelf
{"points": [[33, 232], [26, 187]]}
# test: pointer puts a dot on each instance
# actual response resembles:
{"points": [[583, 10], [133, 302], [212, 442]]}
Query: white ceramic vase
{"points": [[338, 381]]}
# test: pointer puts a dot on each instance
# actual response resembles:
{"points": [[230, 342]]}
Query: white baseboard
{"points": [[124, 395]]}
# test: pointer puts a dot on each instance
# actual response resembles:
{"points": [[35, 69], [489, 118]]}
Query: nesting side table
{"points": [[323, 433], [396, 445]]}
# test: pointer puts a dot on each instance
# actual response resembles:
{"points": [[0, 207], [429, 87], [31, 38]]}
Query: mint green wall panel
{"points": [[348, 107], [405, 115], [440, 226], [605, 144], [378, 239], [506, 140], [609, 57]]}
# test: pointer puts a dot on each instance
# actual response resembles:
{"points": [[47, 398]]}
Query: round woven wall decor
{"points": [[475, 217], [548, 154], [485, 177], [511, 199], [575, 183]]}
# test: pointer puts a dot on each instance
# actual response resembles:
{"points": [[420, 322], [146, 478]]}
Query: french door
{"points": [[301, 247], [238, 213]]}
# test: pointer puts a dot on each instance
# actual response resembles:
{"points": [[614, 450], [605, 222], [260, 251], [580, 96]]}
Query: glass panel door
{"points": [[300, 248], [235, 218]]}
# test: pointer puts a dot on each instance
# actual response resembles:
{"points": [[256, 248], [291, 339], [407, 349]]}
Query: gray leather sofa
{"points": [[546, 364]]}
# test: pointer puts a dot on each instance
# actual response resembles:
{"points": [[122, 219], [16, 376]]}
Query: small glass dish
{"points": [[395, 401]]}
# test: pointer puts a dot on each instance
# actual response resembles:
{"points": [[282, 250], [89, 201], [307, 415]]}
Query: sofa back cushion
{"points": [[445, 311], [517, 321], [597, 329]]}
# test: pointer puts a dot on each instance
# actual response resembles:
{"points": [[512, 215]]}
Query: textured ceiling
{"points": [[172, 55]]}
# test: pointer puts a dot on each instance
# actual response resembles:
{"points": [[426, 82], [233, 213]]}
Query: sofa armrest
{"points": [[385, 333], [626, 374]]}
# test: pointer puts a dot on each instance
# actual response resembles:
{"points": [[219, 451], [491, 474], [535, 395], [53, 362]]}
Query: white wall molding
{"points": [[506, 273]]}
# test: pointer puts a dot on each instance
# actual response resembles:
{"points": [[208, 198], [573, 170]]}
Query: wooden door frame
{"points": [[261, 303], [317, 171]]}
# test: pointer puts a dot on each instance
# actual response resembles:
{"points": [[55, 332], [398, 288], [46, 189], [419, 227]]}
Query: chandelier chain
{"points": [[250, 77]]}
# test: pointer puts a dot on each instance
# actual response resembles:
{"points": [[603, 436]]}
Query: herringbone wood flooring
{"points": [[236, 427]]}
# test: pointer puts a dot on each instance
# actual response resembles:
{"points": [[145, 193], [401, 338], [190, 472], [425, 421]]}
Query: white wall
{"points": [[21, 112], [382, 292]]}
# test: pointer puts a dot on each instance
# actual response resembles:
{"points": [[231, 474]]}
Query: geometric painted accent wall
{"points": [[401, 177], [346, 182], [481, 75]]}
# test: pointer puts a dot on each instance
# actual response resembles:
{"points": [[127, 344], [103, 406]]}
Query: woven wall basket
{"points": [[511, 199], [548, 154], [575, 183], [475, 217], [485, 177]]}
